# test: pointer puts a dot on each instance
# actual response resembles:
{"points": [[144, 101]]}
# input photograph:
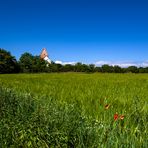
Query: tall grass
{"points": [[68, 110]]}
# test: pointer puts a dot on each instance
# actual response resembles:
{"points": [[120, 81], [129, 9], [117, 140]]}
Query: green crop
{"points": [[73, 110]]}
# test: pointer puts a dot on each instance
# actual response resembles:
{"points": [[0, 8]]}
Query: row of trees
{"points": [[33, 64]]}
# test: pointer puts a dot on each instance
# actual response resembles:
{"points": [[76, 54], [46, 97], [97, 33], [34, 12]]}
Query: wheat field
{"points": [[74, 110]]}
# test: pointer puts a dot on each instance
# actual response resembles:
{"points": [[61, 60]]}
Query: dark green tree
{"points": [[92, 68], [107, 68], [78, 67], [68, 68], [59, 67], [117, 69], [8, 63], [141, 70], [26, 62], [132, 69], [52, 67], [98, 69], [38, 65], [146, 69]]}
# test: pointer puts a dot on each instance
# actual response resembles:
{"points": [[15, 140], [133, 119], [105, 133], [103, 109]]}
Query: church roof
{"points": [[43, 53]]}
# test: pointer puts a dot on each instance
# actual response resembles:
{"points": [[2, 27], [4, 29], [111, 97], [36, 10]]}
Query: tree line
{"points": [[33, 64]]}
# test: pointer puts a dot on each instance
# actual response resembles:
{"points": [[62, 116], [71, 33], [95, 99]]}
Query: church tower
{"points": [[44, 55]]}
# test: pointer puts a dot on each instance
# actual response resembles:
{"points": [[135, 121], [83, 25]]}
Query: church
{"points": [[44, 55]]}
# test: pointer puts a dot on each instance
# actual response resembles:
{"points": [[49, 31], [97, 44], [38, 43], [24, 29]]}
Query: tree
{"points": [[26, 62], [59, 67], [107, 68], [78, 67], [8, 63], [68, 68], [146, 69], [30, 63], [98, 69], [92, 68], [141, 70], [38, 65], [132, 69], [117, 69], [85, 68]]}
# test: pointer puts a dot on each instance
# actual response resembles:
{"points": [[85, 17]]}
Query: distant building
{"points": [[44, 55]]}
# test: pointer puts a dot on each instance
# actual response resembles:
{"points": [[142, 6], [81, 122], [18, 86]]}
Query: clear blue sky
{"points": [[76, 30]]}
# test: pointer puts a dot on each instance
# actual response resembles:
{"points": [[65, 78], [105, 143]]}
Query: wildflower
{"points": [[115, 116], [122, 117], [107, 106]]}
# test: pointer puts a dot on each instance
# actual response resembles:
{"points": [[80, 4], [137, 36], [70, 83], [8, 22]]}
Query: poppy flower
{"points": [[107, 106], [122, 117], [115, 116]]}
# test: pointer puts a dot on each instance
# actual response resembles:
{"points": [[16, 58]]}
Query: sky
{"points": [[111, 32]]}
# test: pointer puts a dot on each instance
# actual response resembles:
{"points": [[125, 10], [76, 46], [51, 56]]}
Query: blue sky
{"points": [[88, 31]]}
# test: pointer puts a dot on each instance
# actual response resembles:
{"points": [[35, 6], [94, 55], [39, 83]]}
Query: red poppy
{"points": [[115, 116], [107, 106], [122, 117]]}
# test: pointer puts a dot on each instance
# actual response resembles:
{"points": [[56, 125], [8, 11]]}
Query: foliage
{"points": [[8, 63], [33, 64], [26, 62], [30, 63], [73, 110], [132, 69]]}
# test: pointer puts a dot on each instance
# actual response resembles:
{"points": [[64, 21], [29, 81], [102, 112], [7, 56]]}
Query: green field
{"points": [[68, 110]]}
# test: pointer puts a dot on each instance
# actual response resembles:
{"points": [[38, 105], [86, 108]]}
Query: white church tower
{"points": [[44, 55]]}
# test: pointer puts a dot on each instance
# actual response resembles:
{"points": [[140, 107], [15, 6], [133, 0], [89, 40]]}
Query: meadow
{"points": [[74, 110]]}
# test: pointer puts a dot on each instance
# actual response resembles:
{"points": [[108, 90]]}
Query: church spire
{"points": [[44, 55]]}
